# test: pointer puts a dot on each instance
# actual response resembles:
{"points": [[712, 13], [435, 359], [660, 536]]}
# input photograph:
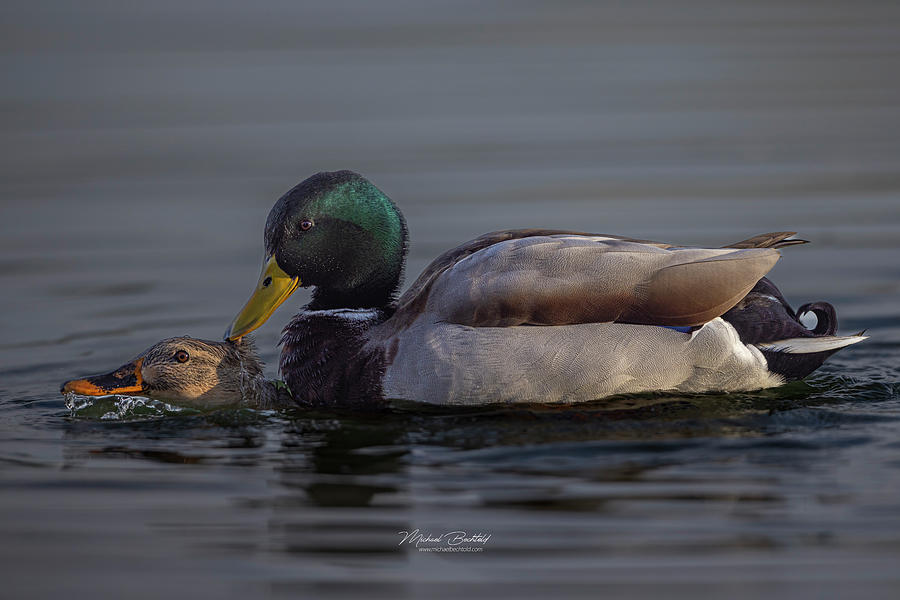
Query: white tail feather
{"points": [[811, 345]]}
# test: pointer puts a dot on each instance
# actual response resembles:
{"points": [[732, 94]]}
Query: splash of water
{"points": [[120, 407]]}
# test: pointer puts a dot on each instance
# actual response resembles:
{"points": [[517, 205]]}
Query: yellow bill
{"points": [[273, 288]]}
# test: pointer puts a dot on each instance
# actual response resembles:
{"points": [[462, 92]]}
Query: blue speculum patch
{"points": [[681, 329]]}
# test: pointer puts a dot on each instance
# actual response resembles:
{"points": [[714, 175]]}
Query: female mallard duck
{"points": [[190, 372], [518, 316]]}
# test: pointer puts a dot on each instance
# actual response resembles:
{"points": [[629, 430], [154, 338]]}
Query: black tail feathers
{"points": [[826, 317], [765, 319]]}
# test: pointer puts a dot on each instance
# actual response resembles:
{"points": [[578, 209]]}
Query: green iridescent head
{"points": [[337, 232]]}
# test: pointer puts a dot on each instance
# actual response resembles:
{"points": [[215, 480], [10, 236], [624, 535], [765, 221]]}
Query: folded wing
{"points": [[565, 279]]}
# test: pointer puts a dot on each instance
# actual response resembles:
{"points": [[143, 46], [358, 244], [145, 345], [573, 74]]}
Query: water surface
{"points": [[143, 146]]}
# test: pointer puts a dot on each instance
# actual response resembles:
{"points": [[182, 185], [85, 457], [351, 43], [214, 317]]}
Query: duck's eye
{"points": [[306, 225], [182, 356]]}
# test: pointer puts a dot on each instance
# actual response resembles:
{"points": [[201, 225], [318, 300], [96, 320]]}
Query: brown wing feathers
{"points": [[577, 280], [696, 292], [566, 280], [778, 239]]}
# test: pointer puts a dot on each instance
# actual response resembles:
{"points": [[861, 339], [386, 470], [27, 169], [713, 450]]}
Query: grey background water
{"points": [[143, 144]]}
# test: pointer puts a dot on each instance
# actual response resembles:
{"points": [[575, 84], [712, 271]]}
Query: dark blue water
{"points": [[143, 146]]}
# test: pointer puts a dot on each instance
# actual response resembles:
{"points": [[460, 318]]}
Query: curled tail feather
{"points": [[765, 319]]}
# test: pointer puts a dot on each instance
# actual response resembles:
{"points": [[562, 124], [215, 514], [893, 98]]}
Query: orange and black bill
{"points": [[126, 379]]}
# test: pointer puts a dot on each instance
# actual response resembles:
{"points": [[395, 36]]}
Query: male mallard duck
{"points": [[190, 372], [518, 316]]}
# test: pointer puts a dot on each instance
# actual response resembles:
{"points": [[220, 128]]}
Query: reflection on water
{"points": [[143, 146]]}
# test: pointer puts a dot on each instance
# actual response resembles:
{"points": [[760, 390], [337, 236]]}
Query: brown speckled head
{"points": [[184, 370]]}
